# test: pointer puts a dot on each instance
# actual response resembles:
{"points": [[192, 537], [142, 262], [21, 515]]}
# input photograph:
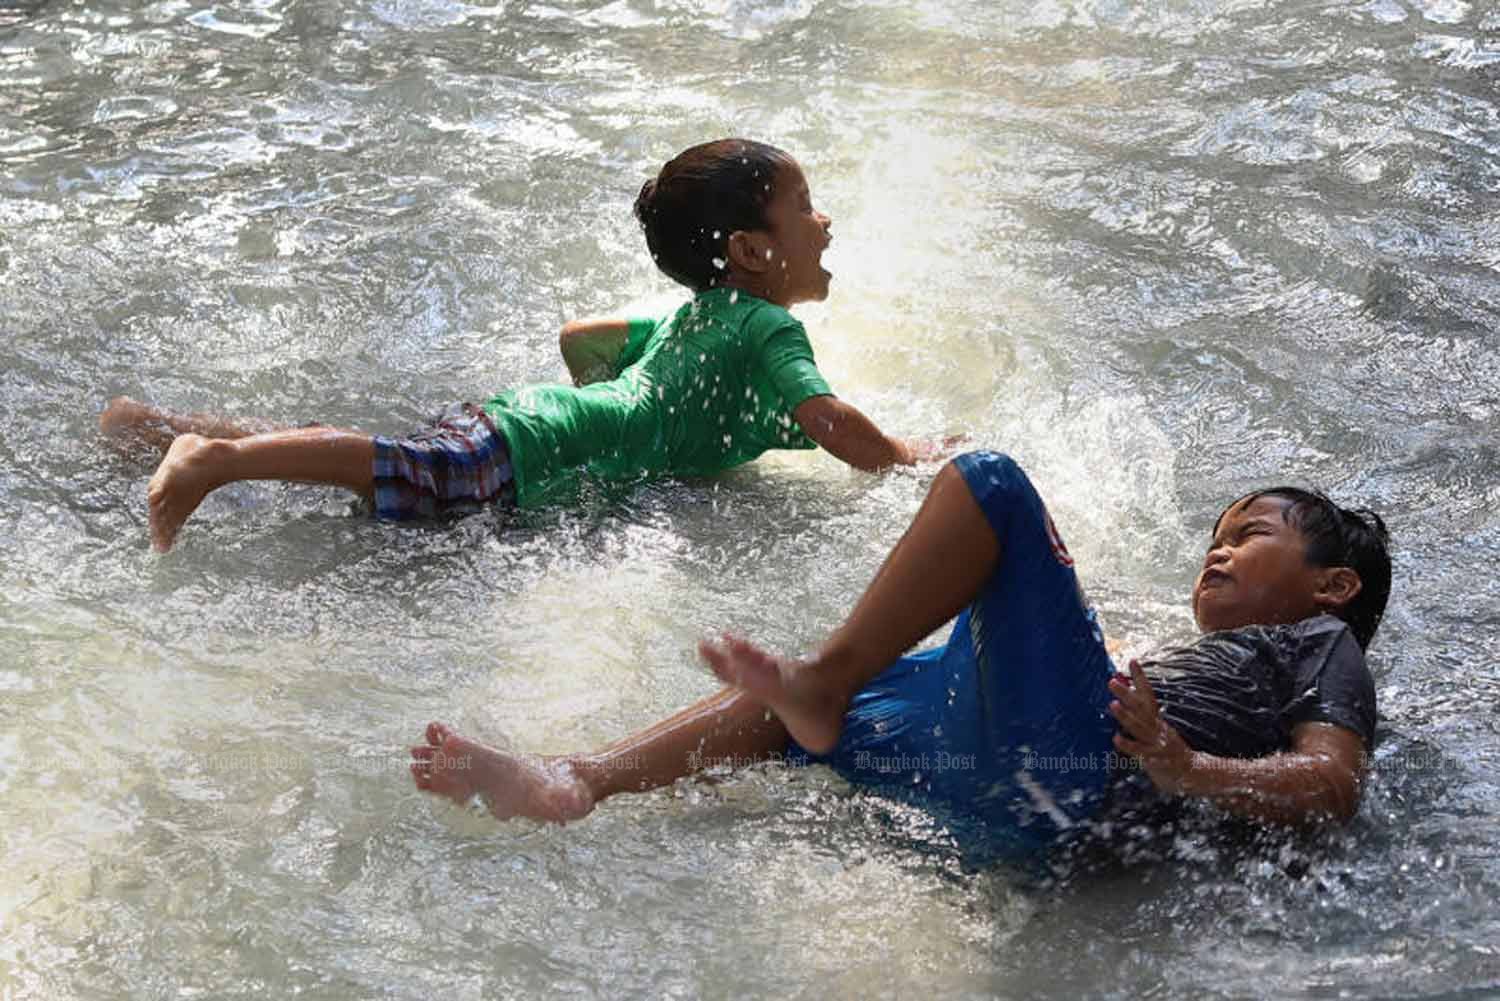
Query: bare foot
{"points": [[179, 485], [131, 422], [811, 711], [510, 785]]}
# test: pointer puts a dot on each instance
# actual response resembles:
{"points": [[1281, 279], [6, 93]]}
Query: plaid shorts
{"points": [[454, 467]]}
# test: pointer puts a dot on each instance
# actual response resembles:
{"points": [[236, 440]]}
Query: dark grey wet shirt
{"points": [[1239, 693]]}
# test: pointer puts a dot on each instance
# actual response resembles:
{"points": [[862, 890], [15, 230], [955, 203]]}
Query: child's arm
{"points": [[848, 434], [591, 348], [1320, 778]]}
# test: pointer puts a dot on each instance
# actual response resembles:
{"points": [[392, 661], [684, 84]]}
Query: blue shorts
{"points": [[1007, 723], [453, 467]]}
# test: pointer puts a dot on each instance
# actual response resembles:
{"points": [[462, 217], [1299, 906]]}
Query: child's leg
{"points": [[128, 419], [937, 568], [194, 466], [724, 728]]}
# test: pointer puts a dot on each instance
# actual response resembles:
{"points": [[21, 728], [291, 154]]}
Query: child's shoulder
{"points": [[735, 304], [1322, 629], [732, 316]]}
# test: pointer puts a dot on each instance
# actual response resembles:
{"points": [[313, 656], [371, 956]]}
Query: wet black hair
{"points": [[1339, 537], [700, 197]]}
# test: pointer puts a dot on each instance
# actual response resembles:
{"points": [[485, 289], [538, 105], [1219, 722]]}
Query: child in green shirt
{"points": [[728, 376]]}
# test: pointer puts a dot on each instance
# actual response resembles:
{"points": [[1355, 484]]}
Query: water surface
{"points": [[1162, 253]]}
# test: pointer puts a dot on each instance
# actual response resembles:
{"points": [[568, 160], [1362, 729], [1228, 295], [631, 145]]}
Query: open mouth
{"points": [[1212, 578]]}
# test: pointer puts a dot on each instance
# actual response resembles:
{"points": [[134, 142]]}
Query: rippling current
{"points": [[1160, 252]]}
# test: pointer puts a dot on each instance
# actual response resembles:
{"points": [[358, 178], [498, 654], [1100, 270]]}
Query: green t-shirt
{"points": [[710, 387]]}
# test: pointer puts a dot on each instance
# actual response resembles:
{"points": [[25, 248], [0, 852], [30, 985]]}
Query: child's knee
{"points": [[993, 476]]}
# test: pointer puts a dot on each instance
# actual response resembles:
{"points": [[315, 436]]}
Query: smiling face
{"points": [[801, 233], [1256, 571], [783, 263]]}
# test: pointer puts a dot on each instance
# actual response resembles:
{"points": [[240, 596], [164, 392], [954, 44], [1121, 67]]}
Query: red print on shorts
{"points": [[1058, 549]]}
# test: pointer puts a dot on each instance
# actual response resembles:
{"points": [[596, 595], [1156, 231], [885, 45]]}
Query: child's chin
{"points": [[1214, 620]]}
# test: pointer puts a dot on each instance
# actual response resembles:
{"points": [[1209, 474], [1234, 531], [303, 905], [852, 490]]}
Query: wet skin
{"points": [[1256, 572], [783, 263]]}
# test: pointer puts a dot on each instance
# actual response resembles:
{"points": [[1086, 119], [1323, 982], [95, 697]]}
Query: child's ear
{"points": [[1340, 585], [748, 250]]}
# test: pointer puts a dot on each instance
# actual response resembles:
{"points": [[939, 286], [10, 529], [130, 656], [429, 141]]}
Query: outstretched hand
{"points": [[935, 450], [1144, 735]]}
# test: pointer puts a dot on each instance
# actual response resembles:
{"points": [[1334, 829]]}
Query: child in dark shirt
{"points": [[1017, 719]]}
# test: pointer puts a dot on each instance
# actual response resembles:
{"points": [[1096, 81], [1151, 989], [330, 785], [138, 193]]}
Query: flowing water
{"points": [[1161, 252]]}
